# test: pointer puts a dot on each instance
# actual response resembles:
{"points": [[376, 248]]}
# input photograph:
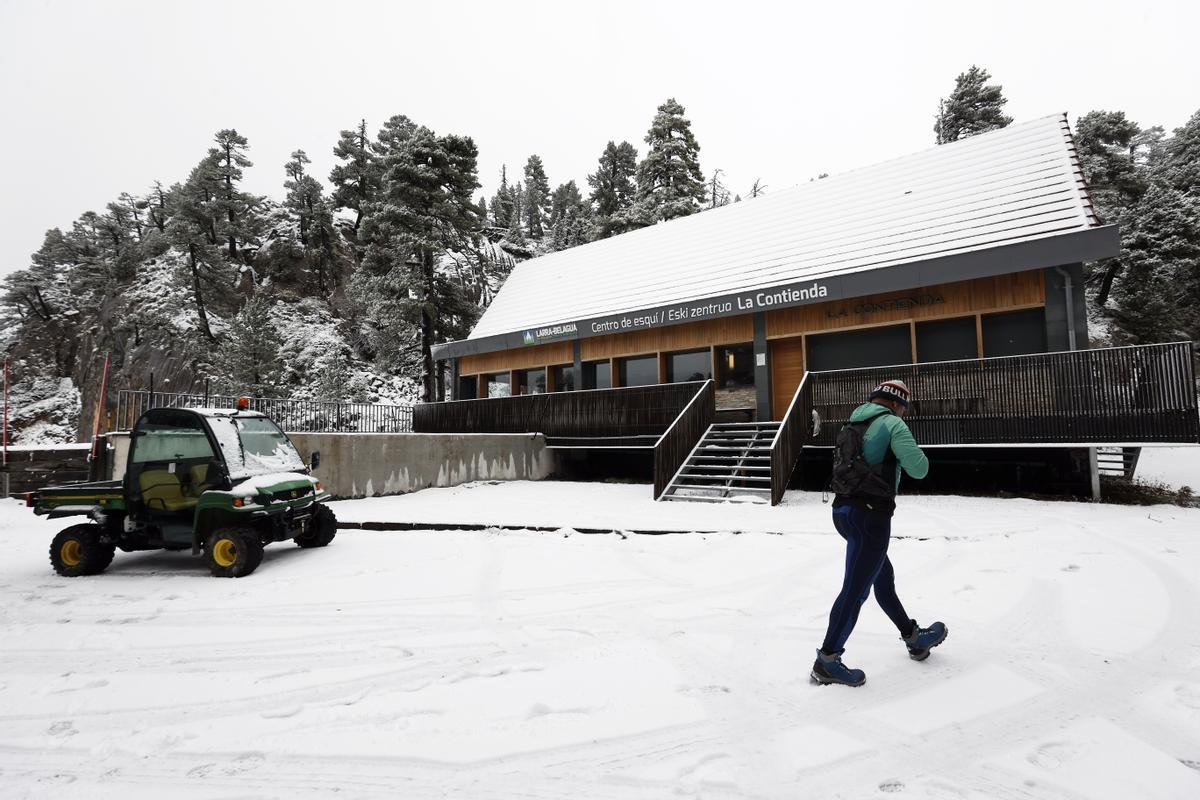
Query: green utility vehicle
{"points": [[222, 482]]}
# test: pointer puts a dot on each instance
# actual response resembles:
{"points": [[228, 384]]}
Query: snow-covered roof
{"points": [[1019, 184], [223, 412]]}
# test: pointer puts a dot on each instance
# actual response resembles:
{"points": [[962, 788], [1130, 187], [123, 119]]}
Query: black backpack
{"points": [[852, 476]]}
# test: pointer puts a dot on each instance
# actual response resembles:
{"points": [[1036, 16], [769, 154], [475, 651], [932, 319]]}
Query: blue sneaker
{"points": [[830, 669], [922, 640]]}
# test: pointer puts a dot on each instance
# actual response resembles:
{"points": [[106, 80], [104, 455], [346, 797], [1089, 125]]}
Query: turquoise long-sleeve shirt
{"points": [[889, 431]]}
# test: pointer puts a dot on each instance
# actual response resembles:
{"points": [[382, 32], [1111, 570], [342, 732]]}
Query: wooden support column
{"points": [[762, 369], [577, 350]]}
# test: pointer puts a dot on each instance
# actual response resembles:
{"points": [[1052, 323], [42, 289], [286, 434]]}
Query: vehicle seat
{"points": [[161, 491], [198, 487]]}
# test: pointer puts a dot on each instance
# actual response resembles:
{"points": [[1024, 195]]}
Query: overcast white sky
{"points": [[98, 98]]}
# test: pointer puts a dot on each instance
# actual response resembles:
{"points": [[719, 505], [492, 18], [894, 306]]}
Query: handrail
{"points": [[679, 440], [292, 415], [598, 413], [788, 442], [1133, 395]]}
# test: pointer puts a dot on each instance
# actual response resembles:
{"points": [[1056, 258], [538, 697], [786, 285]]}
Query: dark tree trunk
{"points": [[1110, 274], [427, 327], [196, 288]]}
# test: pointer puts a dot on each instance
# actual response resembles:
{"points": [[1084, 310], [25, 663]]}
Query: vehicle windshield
{"points": [[254, 446], [170, 436]]}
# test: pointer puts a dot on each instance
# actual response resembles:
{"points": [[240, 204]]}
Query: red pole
{"points": [[100, 408], [6, 411]]}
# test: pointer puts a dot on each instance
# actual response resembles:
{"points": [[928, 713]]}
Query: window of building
{"points": [[597, 375], [531, 381], [693, 366], [499, 384], [468, 387], [563, 378], [946, 339], [871, 347], [638, 371], [735, 366], [1014, 333]]}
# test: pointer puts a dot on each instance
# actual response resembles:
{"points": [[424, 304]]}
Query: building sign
{"points": [[742, 303], [895, 304], [551, 333]]}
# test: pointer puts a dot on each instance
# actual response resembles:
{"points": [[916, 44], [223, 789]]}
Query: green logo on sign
{"points": [[530, 338]]}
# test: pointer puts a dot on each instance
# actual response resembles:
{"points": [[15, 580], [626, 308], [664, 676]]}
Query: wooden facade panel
{"points": [[689, 336], [1017, 290], [524, 358], [787, 368]]}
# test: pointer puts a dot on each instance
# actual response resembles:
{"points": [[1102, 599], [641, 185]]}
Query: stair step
{"points": [[774, 426], [725, 469], [695, 498], [761, 448], [730, 458], [695, 477]]}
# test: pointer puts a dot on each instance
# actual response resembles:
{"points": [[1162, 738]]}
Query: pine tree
{"points": [[249, 357], [566, 199], [613, 188], [425, 212], [669, 181], [356, 180], [537, 197], [193, 230], [502, 203], [236, 210], [1159, 289], [1104, 141], [973, 107], [306, 204], [1182, 158]]}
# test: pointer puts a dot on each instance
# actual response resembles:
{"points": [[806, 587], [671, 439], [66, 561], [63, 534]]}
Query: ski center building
{"points": [[732, 342]]}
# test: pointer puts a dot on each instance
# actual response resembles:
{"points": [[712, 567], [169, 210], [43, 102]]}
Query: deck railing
{"points": [[796, 424], [1143, 394], [294, 416], [677, 442], [633, 416]]}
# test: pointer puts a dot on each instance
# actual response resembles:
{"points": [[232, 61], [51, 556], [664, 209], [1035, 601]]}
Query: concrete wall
{"points": [[370, 464]]}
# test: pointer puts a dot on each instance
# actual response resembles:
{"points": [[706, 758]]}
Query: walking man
{"points": [[871, 450]]}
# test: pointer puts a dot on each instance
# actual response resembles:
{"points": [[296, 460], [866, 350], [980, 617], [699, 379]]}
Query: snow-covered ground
{"points": [[1172, 466], [563, 665]]}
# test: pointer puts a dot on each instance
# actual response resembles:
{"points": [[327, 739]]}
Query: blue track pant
{"points": [[867, 534]]}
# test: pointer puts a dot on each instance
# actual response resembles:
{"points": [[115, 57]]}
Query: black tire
{"points": [[78, 550], [233, 552], [321, 530]]}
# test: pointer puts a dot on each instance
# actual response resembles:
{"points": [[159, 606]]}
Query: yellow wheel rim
{"points": [[71, 552], [225, 553]]}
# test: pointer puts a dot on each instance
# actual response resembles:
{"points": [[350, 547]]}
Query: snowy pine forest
{"points": [[337, 288]]}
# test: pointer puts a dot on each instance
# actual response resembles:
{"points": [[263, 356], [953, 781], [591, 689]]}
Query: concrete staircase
{"points": [[731, 460]]}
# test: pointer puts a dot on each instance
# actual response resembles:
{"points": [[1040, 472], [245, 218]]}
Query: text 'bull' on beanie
{"points": [[892, 390]]}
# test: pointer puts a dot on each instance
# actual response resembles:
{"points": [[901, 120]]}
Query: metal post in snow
{"points": [[6, 419], [100, 409]]}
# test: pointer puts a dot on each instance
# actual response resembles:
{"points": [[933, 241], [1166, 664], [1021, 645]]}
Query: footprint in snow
{"points": [[1053, 754], [891, 787], [62, 728], [1071, 568], [1187, 762]]}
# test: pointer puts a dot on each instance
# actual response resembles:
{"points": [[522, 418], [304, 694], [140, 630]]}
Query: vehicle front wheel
{"points": [[233, 552], [77, 550], [321, 530]]}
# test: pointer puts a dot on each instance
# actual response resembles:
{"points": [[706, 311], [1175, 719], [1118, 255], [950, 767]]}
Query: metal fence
{"points": [[635, 412], [294, 416], [1142, 394]]}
